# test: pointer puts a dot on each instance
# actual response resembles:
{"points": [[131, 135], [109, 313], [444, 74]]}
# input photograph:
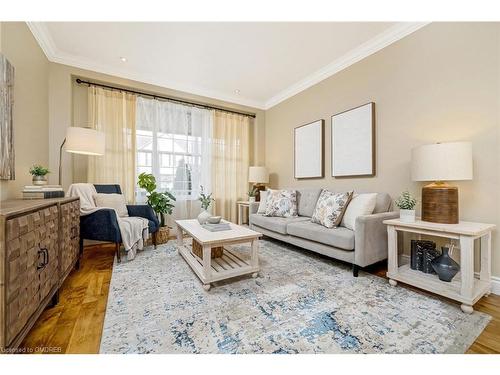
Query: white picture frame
{"points": [[308, 150], [353, 142]]}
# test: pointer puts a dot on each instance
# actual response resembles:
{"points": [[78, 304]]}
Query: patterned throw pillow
{"points": [[330, 208], [282, 203]]}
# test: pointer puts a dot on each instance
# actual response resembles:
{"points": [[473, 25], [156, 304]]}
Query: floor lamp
{"points": [[85, 141]]}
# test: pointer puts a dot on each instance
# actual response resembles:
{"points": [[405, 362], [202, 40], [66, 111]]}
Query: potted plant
{"points": [[252, 193], [39, 174], [206, 200], [160, 202], [406, 203]]}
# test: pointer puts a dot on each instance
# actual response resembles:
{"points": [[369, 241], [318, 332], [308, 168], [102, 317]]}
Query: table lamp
{"points": [[441, 162], [85, 141], [258, 176]]}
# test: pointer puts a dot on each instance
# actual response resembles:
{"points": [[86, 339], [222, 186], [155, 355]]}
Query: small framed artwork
{"points": [[353, 142], [7, 160], [308, 150]]}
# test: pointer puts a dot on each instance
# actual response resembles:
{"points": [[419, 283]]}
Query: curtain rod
{"points": [[154, 96]]}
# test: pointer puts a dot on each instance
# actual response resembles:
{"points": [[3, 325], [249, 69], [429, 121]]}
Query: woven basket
{"points": [[162, 235], [198, 250]]}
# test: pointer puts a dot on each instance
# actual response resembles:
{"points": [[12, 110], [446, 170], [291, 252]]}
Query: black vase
{"points": [[445, 267]]}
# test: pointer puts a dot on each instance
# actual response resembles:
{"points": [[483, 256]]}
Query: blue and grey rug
{"points": [[300, 303]]}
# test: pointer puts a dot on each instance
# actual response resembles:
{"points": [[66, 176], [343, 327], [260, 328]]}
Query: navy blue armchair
{"points": [[102, 225]]}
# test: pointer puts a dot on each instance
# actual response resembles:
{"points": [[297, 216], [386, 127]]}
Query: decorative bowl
{"points": [[214, 219]]}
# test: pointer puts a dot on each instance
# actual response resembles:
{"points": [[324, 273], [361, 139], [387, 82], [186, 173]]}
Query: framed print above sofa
{"points": [[353, 142], [308, 150]]}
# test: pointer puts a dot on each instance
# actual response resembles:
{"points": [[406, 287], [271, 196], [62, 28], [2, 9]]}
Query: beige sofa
{"points": [[364, 246]]}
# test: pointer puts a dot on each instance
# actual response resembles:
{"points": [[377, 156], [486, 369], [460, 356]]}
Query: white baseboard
{"points": [[495, 285]]}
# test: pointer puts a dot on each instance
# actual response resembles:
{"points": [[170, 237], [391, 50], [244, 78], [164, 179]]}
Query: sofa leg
{"points": [[355, 270], [155, 238], [118, 255]]}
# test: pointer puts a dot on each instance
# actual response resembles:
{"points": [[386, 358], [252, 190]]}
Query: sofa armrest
{"points": [[101, 225], [370, 238], [253, 207]]}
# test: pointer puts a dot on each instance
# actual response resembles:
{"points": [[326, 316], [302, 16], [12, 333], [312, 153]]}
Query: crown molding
{"points": [[391, 35], [366, 49], [44, 39]]}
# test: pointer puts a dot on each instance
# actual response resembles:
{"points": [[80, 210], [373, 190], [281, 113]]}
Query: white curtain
{"points": [[230, 161], [114, 113], [174, 144]]}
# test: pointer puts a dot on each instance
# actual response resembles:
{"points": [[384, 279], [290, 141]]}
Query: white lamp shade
{"points": [[258, 175], [84, 141], [442, 162]]}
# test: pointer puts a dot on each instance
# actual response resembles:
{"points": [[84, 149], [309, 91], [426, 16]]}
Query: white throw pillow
{"points": [[360, 204], [115, 201], [263, 202]]}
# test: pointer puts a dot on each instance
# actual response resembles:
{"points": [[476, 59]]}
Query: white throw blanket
{"points": [[134, 230]]}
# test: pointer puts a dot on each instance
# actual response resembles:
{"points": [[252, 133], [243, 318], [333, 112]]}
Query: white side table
{"points": [[241, 206], [464, 287]]}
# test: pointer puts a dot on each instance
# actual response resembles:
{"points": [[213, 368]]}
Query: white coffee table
{"points": [[232, 263]]}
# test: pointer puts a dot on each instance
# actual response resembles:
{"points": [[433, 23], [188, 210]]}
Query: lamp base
{"points": [[440, 203], [259, 188]]}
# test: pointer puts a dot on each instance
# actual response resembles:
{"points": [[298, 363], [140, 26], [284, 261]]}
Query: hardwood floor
{"points": [[75, 324]]}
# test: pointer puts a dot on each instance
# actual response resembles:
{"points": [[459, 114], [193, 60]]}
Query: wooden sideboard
{"points": [[39, 246]]}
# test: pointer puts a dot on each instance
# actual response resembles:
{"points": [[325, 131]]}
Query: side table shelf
{"points": [[464, 288]]}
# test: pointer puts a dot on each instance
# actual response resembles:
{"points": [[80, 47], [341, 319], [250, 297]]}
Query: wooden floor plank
{"points": [[75, 324]]}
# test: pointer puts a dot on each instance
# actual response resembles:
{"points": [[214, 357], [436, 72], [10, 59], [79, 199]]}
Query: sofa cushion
{"points": [[339, 237], [360, 205], [276, 224], [330, 208], [281, 203], [306, 201], [383, 203]]}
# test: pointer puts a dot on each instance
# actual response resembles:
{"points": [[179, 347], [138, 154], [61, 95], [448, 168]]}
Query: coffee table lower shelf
{"points": [[231, 264]]}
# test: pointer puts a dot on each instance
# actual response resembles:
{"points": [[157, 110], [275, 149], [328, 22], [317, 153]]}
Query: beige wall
{"points": [[30, 115], [441, 83], [68, 107]]}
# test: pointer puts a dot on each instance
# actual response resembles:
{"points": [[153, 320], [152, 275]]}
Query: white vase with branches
{"points": [[406, 203]]}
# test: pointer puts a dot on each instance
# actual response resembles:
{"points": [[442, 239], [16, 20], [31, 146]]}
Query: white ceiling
{"points": [[266, 62]]}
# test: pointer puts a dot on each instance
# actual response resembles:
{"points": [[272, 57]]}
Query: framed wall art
{"points": [[309, 150], [7, 165], [353, 142]]}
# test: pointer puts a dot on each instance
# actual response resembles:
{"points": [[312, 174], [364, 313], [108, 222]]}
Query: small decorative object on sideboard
{"points": [[160, 202], [445, 266], [206, 200], [39, 174], [406, 203]]}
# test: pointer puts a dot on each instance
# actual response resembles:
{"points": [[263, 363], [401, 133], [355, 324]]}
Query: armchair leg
{"points": [[355, 270], [117, 249], [155, 238]]}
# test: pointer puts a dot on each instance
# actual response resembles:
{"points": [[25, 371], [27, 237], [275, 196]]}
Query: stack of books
{"points": [[42, 191], [216, 227]]}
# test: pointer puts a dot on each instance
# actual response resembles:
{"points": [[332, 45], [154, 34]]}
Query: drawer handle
{"points": [[74, 232], [45, 261]]}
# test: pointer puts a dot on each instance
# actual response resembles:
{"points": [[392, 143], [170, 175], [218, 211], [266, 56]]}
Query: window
{"points": [[172, 157]]}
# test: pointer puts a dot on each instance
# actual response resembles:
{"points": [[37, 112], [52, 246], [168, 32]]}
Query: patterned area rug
{"points": [[300, 303]]}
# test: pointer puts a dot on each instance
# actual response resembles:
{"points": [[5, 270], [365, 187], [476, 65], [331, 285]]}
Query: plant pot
{"points": [[445, 266], [39, 180], [203, 217], [407, 216], [251, 199]]}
